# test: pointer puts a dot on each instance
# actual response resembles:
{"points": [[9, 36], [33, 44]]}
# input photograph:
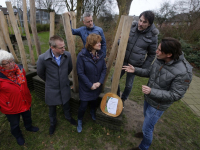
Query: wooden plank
{"points": [[71, 48], [114, 49], [9, 25], [52, 24], [18, 22], [121, 52], [17, 35], [2, 41], [33, 27], [5, 31], [73, 21], [28, 36]]}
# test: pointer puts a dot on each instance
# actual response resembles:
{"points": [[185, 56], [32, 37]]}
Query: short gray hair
{"points": [[53, 39], [87, 14], [5, 56]]}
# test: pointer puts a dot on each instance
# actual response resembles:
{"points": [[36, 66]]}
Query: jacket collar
{"points": [[4, 77], [48, 55], [85, 52], [90, 28], [181, 57]]}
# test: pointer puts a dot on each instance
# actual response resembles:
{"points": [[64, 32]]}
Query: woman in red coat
{"points": [[15, 97]]}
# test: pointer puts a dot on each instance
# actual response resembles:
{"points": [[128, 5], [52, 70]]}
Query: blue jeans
{"points": [[151, 116], [129, 85]]}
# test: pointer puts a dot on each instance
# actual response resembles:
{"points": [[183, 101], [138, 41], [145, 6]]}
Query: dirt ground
{"points": [[134, 116]]}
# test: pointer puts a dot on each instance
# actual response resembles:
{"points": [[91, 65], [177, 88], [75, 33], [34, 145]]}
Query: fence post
{"points": [[17, 35], [52, 24], [121, 52]]}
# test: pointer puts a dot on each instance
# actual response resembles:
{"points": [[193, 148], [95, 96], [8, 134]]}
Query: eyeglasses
{"points": [[61, 47], [8, 63]]}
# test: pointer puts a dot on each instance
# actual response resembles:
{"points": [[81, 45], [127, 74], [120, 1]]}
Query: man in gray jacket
{"points": [[53, 67], [169, 78], [141, 48]]}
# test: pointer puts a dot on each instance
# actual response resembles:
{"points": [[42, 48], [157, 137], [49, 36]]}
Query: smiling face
{"points": [[88, 22], [59, 49], [143, 23], [97, 46], [8, 64]]}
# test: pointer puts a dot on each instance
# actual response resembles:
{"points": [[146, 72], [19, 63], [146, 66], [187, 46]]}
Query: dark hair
{"points": [[92, 40], [53, 39], [149, 15], [171, 46]]}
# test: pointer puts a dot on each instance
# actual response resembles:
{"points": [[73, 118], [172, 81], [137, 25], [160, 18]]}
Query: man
{"points": [[169, 78], [53, 67], [89, 28], [141, 48]]}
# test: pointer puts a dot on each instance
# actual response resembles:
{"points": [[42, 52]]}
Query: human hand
{"points": [[129, 68], [93, 87], [146, 89], [97, 84]]}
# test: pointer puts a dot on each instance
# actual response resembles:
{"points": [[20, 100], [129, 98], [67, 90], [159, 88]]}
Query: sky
{"points": [[137, 6]]}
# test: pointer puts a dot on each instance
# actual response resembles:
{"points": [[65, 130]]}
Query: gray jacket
{"points": [[168, 81], [139, 44], [57, 88]]}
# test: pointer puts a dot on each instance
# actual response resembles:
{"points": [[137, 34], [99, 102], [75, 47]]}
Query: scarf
{"points": [[95, 57], [15, 74]]}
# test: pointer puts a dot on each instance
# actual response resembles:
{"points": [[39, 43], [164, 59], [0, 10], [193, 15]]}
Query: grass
{"points": [[178, 128]]}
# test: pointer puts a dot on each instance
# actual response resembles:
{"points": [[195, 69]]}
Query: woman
{"points": [[91, 70], [15, 97]]}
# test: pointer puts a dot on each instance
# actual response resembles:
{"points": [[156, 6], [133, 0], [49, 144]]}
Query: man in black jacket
{"points": [[141, 48]]}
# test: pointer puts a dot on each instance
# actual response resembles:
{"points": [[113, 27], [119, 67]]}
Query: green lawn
{"points": [[178, 128]]}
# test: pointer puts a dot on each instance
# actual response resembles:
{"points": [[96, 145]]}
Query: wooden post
{"points": [[114, 49], [2, 41], [121, 52], [5, 31], [28, 37], [52, 24], [17, 35], [9, 25], [71, 48], [18, 22], [73, 22], [33, 26]]}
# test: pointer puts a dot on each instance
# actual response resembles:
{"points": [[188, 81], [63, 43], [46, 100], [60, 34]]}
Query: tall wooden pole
{"points": [[28, 37], [9, 25], [114, 49], [33, 26], [121, 52], [52, 24], [17, 35], [2, 41], [5, 31], [73, 22], [71, 48], [18, 22]]}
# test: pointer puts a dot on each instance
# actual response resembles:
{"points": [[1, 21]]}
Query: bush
{"points": [[40, 27]]}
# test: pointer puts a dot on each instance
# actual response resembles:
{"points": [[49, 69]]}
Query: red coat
{"points": [[14, 99]]}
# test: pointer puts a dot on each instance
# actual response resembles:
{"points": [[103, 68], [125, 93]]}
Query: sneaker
{"points": [[20, 140], [72, 121], [33, 129], [79, 127]]}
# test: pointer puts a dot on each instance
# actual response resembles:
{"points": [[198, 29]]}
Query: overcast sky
{"points": [[137, 6]]}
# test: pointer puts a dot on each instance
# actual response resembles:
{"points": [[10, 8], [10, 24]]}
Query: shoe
{"points": [[52, 129], [139, 135], [135, 148], [93, 115], [33, 129], [79, 127], [72, 121], [20, 140]]}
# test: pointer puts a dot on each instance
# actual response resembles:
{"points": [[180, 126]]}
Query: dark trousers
{"points": [[83, 107], [52, 113], [14, 122]]}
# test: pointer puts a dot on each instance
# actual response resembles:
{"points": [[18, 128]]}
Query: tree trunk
{"points": [[79, 9]]}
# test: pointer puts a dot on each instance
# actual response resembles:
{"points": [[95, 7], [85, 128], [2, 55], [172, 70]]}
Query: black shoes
{"points": [[52, 129], [33, 129], [20, 140], [72, 121]]}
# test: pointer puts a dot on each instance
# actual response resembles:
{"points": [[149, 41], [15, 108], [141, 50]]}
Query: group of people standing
{"points": [[169, 76]]}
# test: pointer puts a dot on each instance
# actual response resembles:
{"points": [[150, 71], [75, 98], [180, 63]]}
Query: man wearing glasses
{"points": [[53, 67]]}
